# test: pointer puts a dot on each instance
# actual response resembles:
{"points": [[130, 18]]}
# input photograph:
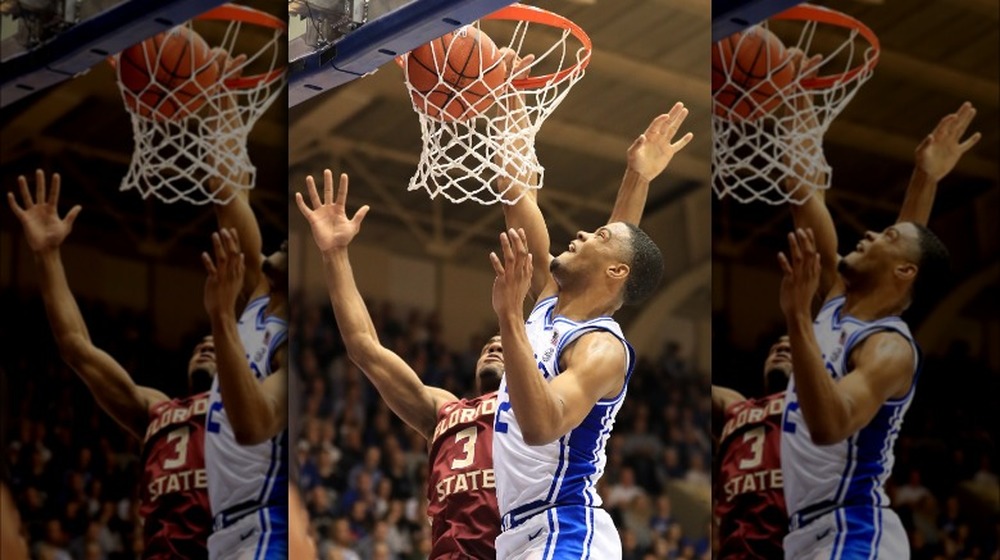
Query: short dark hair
{"points": [[934, 268], [645, 264]]}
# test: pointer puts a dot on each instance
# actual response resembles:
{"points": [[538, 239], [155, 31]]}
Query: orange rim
{"points": [[232, 12], [521, 12], [808, 12]]}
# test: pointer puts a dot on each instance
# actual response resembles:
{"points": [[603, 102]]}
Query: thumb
{"points": [[72, 214], [638, 142], [359, 216]]}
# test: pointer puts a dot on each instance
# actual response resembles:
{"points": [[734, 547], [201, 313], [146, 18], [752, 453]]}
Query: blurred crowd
{"points": [[73, 471], [363, 472]]}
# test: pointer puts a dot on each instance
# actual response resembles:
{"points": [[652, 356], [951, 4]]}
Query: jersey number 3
{"points": [[181, 435], [469, 449], [755, 438]]}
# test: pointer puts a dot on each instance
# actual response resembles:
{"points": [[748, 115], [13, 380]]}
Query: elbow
{"points": [[73, 348], [361, 349]]}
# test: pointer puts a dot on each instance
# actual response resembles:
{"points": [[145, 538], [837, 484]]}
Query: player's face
{"points": [[599, 250], [878, 252], [778, 365], [201, 367], [489, 367]]}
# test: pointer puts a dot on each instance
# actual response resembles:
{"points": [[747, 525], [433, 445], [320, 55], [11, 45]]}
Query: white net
{"points": [[478, 128], [770, 114], [192, 107]]}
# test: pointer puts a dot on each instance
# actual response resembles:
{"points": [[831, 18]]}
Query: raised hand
{"points": [[513, 275], [225, 276], [43, 228], [328, 219], [940, 151], [652, 151], [801, 274]]}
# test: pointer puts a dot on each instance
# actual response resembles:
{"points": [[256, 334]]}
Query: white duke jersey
{"points": [[852, 472], [254, 474], [530, 479]]}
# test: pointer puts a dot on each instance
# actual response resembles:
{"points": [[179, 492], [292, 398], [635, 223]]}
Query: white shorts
{"points": [[262, 535], [562, 533], [850, 533]]}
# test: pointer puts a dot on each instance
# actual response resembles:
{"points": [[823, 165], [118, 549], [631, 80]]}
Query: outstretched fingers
{"points": [[39, 186], [209, 265], [341, 189], [22, 183], [313, 195]]}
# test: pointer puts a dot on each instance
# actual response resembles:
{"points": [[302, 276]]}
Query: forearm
{"points": [[823, 406], [631, 199], [394, 380], [919, 199], [538, 410], [250, 410], [353, 320], [238, 215], [112, 388], [65, 319]]}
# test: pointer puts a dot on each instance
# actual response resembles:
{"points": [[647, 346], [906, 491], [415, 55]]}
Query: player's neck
{"points": [[870, 303], [277, 307], [584, 305]]}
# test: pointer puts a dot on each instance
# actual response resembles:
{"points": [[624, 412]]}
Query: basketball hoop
{"points": [[188, 130], [774, 154], [462, 157]]}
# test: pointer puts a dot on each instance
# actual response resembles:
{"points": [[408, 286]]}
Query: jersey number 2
{"points": [[469, 435], [181, 447]]}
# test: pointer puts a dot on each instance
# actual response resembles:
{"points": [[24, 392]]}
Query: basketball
{"points": [[454, 77], [168, 74], [757, 66]]}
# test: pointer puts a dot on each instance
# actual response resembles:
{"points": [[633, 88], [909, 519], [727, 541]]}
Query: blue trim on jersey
{"points": [[591, 529], [265, 533], [273, 541], [859, 532], [277, 341], [552, 534], [557, 479], [838, 496], [571, 531]]}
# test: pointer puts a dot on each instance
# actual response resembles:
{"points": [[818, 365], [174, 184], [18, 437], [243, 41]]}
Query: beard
{"points": [[489, 378], [201, 380]]}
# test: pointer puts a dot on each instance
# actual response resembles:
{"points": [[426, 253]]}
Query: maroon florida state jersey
{"points": [[750, 504], [177, 518], [462, 500]]}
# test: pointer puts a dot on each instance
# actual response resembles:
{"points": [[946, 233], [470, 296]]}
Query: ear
{"points": [[618, 271], [906, 271]]}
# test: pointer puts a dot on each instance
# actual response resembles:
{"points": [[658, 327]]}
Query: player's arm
{"points": [[647, 157], [45, 232], [935, 157], [397, 383], [722, 399], [808, 205], [236, 213], [256, 409], [882, 367], [594, 365]]}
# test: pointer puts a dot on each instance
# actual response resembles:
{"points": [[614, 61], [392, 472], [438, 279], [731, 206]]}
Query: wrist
{"points": [[632, 176], [222, 316], [47, 255], [334, 254]]}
